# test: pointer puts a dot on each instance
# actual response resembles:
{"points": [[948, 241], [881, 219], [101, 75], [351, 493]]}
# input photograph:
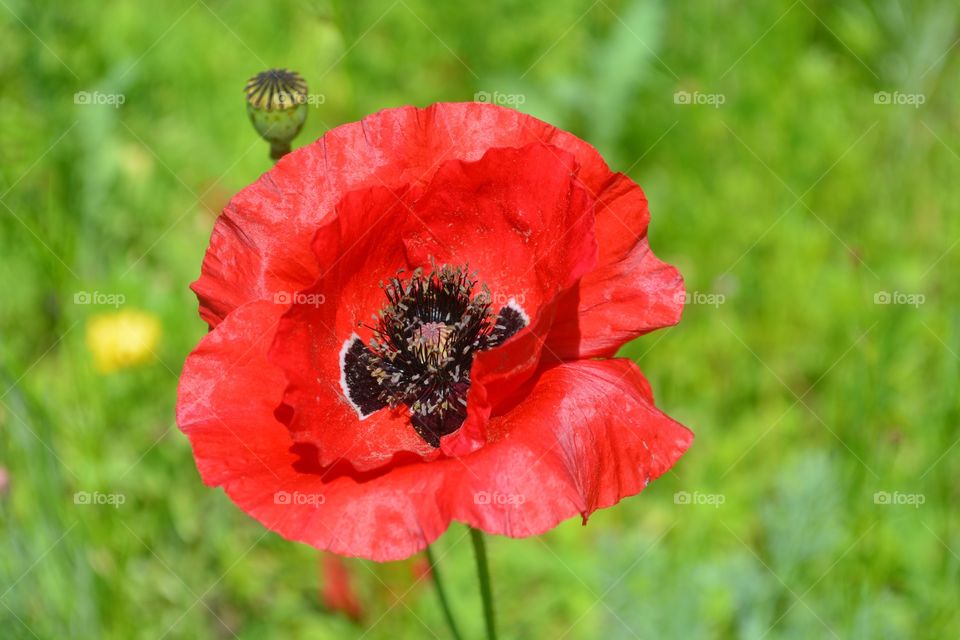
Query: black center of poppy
{"points": [[423, 346]]}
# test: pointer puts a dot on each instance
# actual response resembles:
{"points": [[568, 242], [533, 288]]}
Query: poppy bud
{"points": [[277, 106]]}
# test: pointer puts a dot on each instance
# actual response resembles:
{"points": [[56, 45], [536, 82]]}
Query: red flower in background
{"points": [[337, 593], [413, 321]]}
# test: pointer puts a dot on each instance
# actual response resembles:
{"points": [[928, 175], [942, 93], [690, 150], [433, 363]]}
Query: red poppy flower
{"points": [[413, 321], [337, 593]]}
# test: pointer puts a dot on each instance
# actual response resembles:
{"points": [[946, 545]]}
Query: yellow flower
{"points": [[122, 339]]}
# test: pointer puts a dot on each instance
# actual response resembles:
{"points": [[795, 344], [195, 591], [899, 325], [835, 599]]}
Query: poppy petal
{"points": [[324, 320], [227, 395], [261, 243], [588, 436], [630, 292], [516, 217]]}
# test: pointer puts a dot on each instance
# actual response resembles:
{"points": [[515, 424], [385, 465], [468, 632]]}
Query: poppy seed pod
{"points": [[277, 106]]}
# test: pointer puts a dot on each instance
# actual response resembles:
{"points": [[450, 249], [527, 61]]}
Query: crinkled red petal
{"points": [[261, 244], [517, 217], [586, 436]]}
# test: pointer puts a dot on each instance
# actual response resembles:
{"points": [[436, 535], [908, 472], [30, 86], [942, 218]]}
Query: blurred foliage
{"points": [[798, 200]]}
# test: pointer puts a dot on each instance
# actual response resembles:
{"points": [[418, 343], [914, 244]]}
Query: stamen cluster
{"points": [[424, 343]]}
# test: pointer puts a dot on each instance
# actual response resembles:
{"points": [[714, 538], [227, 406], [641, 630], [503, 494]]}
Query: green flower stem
{"points": [[483, 573], [442, 595]]}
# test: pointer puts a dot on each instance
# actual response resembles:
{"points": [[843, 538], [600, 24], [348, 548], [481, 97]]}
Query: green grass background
{"points": [[798, 200]]}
